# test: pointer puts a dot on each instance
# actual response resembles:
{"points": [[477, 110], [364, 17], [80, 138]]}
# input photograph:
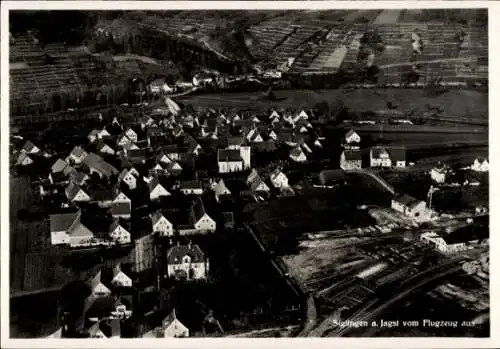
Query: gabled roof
{"points": [[237, 140], [297, 151], [171, 149], [221, 188], [119, 222], [397, 153], [59, 166], [190, 184], [63, 221], [102, 194], [120, 208], [352, 155], [78, 151], [197, 210], [22, 157], [377, 151], [176, 253], [72, 190], [350, 133], [95, 161], [407, 200], [225, 155], [275, 173], [28, 146]]}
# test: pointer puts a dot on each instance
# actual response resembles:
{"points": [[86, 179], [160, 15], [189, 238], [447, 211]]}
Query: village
{"points": [[139, 187], [170, 177]]}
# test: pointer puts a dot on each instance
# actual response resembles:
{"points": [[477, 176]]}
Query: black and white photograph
{"points": [[247, 173]]}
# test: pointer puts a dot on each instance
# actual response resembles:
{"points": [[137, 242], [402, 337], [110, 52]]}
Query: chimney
{"points": [[178, 243], [189, 244]]}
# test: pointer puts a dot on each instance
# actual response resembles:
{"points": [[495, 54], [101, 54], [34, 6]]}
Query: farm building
{"points": [[350, 160], [409, 206]]}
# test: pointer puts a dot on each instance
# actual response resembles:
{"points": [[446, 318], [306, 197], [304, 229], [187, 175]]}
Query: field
{"points": [[454, 103], [21, 197]]}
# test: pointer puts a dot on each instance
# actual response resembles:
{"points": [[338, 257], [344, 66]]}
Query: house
{"points": [[77, 177], [97, 287], [172, 151], [273, 135], [67, 229], [74, 193], [123, 140], [97, 134], [59, 166], [173, 168], [24, 160], [97, 164], [198, 221], [398, 156], [235, 142], [297, 154], [103, 197], [104, 148], [350, 159], [409, 206], [256, 183], [160, 86], [132, 134], [254, 136], [351, 140], [58, 178], [129, 177], [30, 148], [191, 187], [303, 115], [379, 157], [156, 189], [278, 179], [77, 155], [229, 160], [119, 231], [440, 244], [221, 190], [137, 156], [120, 279], [161, 224], [173, 328], [121, 210], [162, 158], [480, 165], [439, 173], [186, 262]]}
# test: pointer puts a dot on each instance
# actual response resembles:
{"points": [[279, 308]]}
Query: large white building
{"points": [[186, 262]]}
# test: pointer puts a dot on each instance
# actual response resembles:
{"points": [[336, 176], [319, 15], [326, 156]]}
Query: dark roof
{"points": [[58, 177], [102, 194], [191, 184], [176, 253], [63, 221], [238, 140], [352, 155], [137, 153], [120, 208], [101, 307], [95, 161], [468, 233], [224, 155], [171, 149], [71, 190], [397, 153], [377, 151], [407, 200], [119, 222], [197, 210]]}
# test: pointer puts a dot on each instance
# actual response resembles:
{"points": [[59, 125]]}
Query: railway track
{"points": [[427, 276]]}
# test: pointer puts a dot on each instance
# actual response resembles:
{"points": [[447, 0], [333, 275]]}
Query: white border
{"points": [[494, 52]]}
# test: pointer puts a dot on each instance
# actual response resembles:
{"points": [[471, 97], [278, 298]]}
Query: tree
{"points": [[321, 108]]}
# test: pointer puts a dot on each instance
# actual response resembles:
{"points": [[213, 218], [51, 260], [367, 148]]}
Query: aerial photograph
{"points": [[248, 173]]}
